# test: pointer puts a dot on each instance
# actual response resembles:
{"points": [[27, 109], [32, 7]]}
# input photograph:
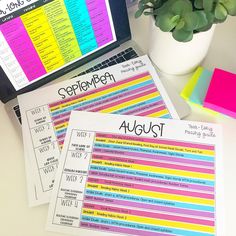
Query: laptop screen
{"points": [[39, 38]]}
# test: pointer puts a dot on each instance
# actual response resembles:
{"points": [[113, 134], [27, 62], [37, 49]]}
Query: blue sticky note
{"points": [[199, 92]]}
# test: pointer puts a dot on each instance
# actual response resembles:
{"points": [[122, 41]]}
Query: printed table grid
{"points": [[46, 166], [137, 95], [126, 193]]}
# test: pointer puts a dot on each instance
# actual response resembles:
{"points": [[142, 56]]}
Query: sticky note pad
{"points": [[199, 92], [188, 89], [221, 95]]}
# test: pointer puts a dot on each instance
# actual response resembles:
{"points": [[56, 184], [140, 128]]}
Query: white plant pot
{"points": [[177, 58]]}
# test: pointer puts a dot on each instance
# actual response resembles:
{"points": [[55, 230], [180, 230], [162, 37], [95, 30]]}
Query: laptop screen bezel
{"points": [[123, 34]]}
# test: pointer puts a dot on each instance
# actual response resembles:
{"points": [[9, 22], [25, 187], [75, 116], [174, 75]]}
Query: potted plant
{"points": [[181, 30]]}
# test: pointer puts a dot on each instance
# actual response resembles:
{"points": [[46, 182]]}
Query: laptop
{"points": [[46, 41]]}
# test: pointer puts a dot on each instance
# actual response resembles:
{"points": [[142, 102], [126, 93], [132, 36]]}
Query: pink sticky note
{"points": [[221, 94]]}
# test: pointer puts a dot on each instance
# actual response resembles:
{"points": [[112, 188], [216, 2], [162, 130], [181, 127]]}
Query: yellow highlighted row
{"points": [[159, 113], [146, 220], [131, 102], [155, 169], [61, 126]]}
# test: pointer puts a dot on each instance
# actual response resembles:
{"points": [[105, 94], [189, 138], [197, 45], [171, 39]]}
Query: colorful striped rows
{"points": [[57, 33], [137, 95], [132, 190]]}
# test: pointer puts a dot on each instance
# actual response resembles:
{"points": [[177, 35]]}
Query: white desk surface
{"points": [[17, 219]]}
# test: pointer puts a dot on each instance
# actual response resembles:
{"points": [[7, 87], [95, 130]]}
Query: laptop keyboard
{"points": [[125, 55], [17, 112]]}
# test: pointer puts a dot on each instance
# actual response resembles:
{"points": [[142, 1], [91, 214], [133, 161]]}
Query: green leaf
{"points": [[198, 4], [164, 8], [191, 21], [138, 13], [230, 5], [202, 20], [220, 12], [167, 22], [208, 5], [180, 24], [157, 4], [147, 13], [143, 2], [210, 17], [182, 35], [180, 7], [210, 20]]}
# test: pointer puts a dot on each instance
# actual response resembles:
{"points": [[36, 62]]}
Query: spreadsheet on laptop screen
{"points": [[38, 38]]}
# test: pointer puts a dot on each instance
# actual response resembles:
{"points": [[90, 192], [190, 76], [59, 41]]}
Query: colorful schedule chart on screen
{"points": [[49, 35], [128, 175], [131, 88]]}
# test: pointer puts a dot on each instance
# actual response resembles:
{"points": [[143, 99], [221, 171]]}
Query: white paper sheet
{"points": [[131, 88], [127, 175]]}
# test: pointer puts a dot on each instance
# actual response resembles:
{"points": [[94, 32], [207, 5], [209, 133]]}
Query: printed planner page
{"points": [[130, 88], [127, 175]]}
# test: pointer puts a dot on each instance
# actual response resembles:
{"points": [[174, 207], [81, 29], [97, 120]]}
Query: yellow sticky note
{"points": [[205, 109], [188, 89]]}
